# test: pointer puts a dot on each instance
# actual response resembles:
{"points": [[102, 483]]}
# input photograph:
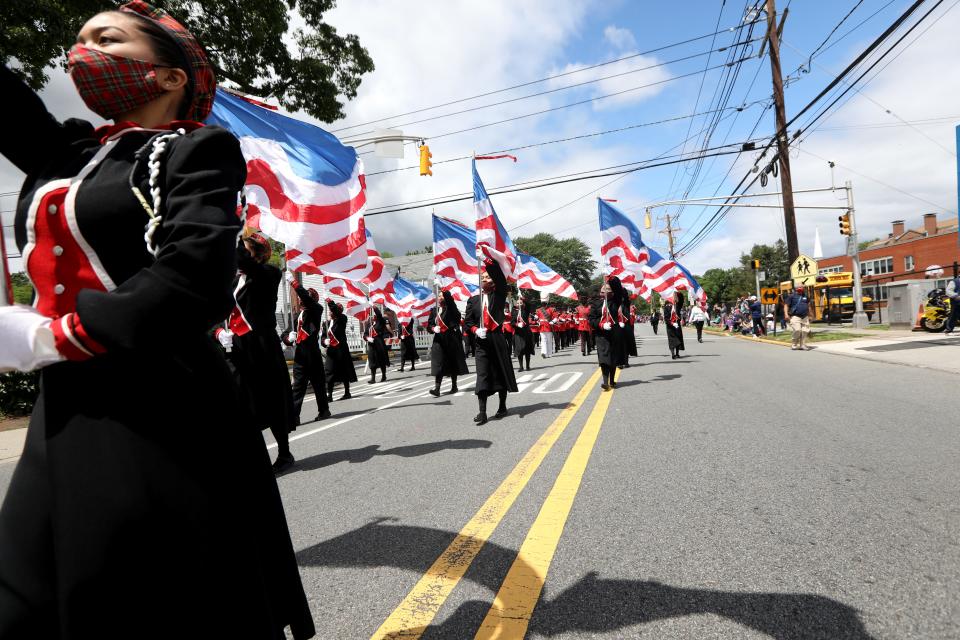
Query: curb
{"points": [[776, 342]]}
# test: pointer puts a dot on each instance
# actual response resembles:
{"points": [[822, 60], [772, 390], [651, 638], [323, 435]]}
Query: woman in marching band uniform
{"points": [[523, 335], [339, 363], [408, 344], [672, 314], [609, 338], [547, 343], [307, 353], [627, 316], [446, 352], [144, 505], [378, 358], [583, 327], [494, 366]]}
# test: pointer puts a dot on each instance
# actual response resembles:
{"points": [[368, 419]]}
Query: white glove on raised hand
{"points": [[621, 324], [436, 329], [26, 341], [325, 342], [607, 326], [288, 276], [482, 333], [226, 338]]}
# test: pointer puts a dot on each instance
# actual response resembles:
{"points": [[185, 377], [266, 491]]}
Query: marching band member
{"points": [[339, 362], [408, 344], [494, 367], [508, 330], [547, 343], [378, 358], [607, 330], [307, 355], [446, 352], [523, 334], [583, 327], [626, 318], [143, 504], [672, 313]]}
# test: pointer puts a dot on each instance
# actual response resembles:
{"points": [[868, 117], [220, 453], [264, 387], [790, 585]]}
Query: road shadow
{"points": [[525, 410], [593, 604], [363, 454], [660, 378]]}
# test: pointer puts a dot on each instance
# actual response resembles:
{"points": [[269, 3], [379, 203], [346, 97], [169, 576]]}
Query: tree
{"points": [[416, 252], [250, 43], [386, 254], [774, 261], [725, 285], [22, 289], [570, 257]]}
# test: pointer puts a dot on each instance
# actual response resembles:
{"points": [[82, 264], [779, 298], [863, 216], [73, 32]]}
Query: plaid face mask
{"points": [[111, 85]]}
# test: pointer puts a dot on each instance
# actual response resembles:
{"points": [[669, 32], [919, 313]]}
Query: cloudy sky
{"points": [[430, 53]]}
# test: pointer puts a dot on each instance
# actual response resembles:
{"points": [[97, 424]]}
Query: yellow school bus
{"points": [[831, 297]]}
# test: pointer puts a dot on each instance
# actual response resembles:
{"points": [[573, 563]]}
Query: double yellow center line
{"points": [[518, 595]]}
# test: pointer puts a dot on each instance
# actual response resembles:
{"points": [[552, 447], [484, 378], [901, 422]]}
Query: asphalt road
{"points": [[743, 491]]}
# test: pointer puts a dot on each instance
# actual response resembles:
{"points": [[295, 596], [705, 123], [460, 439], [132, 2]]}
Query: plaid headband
{"points": [[203, 82]]}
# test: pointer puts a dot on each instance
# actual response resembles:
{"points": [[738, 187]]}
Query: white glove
{"points": [[370, 340], [27, 340], [226, 338], [621, 324], [288, 276], [325, 342], [607, 326], [482, 333], [436, 329]]}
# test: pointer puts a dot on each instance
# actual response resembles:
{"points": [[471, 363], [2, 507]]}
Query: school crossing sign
{"points": [[803, 271]]}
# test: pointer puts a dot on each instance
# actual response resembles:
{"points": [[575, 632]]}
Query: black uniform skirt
{"points": [[446, 355], [408, 349], [523, 342], [377, 354], [144, 506], [494, 366], [264, 380], [338, 364]]}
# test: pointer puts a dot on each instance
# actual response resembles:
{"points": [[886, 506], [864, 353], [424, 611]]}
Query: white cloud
{"points": [[619, 37]]}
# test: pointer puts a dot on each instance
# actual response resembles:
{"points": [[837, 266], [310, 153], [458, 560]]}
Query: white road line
{"points": [[300, 436]]}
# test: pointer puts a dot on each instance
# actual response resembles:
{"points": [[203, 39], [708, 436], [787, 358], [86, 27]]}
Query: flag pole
{"points": [[6, 284]]}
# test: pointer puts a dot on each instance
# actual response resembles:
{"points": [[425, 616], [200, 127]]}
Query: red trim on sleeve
{"points": [[80, 333], [66, 342], [473, 330]]}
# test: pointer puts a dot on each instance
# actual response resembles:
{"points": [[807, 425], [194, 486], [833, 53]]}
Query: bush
{"points": [[18, 392]]}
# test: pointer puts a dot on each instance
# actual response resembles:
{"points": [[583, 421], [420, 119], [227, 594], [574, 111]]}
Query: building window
{"points": [[877, 293], [908, 263], [834, 269], [876, 267]]}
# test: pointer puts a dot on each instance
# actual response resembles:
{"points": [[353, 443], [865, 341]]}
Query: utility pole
{"points": [[783, 142], [670, 231], [860, 320]]}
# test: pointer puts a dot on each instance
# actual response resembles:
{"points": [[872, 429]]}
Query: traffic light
{"points": [[647, 222], [755, 265], [845, 224], [425, 162]]}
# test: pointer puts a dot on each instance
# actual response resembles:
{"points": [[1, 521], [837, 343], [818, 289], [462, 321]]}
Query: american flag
{"points": [[454, 259], [533, 274], [492, 238], [304, 188], [408, 299], [621, 247], [666, 277]]}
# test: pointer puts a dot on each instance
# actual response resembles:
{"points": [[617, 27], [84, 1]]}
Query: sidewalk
{"points": [[11, 444], [925, 350]]}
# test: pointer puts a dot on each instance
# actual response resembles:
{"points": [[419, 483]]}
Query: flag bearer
{"points": [[143, 505], [494, 368], [307, 353], [607, 331], [339, 363], [378, 358], [408, 344], [446, 352], [627, 316]]}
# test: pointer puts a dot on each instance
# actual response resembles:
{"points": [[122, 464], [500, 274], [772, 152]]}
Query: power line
{"points": [[545, 79], [834, 30], [572, 138], [549, 91], [528, 187]]}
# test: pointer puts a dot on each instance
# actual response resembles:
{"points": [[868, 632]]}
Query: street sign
{"points": [[852, 245], [803, 267], [762, 275], [807, 281], [768, 295]]}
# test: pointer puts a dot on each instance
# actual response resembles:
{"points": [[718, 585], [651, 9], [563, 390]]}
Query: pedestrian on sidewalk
{"points": [[756, 316], [446, 352], [307, 354], [697, 317], [493, 363], [339, 363], [607, 332], [796, 309], [953, 294], [408, 344], [144, 505]]}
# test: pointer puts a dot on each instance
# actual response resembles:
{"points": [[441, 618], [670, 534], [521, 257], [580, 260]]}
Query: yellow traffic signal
{"points": [[647, 222], [425, 162], [844, 224], [755, 264]]}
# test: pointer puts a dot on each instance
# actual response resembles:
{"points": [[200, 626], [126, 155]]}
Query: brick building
{"points": [[904, 254]]}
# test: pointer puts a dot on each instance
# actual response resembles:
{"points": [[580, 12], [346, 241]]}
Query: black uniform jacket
{"points": [[493, 362], [144, 504], [522, 335], [377, 354], [408, 344], [310, 321], [609, 342], [446, 352], [674, 334], [629, 340], [339, 364]]}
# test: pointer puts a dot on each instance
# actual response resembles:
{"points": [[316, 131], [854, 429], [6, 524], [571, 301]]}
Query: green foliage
{"points": [[386, 254], [725, 285], [570, 257], [22, 289], [251, 43], [774, 260], [18, 392], [417, 252]]}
